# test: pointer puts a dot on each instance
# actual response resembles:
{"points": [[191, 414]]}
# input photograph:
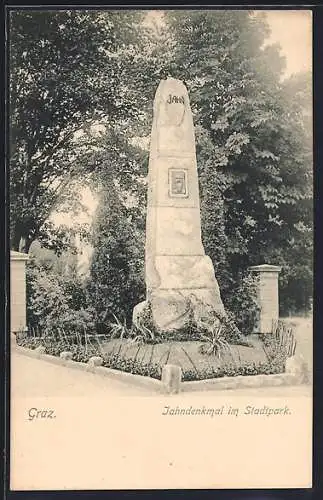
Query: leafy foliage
{"points": [[253, 150], [71, 70], [67, 71], [281, 343], [242, 301], [56, 301], [253, 147], [118, 329], [246, 369], [82, 353], [116, 283]]}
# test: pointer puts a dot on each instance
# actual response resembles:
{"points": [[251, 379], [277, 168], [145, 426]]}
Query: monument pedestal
{"points": [[179, 276]]}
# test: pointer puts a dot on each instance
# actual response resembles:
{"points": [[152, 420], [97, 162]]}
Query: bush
{"points": [[81, 353], [45, 295], [72, 323], [242, 303], [29, 342], [116, 282], [230, 370], [57, 303], [281, 343]]}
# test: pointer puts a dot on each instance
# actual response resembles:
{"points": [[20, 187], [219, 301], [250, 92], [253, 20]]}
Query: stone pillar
{"points": [[267, 296], [18, 291], [180, 278]]}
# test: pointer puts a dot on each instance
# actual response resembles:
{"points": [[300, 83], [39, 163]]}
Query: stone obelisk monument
{"points": [[177, 268]]}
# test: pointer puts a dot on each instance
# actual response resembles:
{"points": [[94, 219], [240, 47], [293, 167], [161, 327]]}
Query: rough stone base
{"points": [[181, 288], [173, 309], [170, 310]]}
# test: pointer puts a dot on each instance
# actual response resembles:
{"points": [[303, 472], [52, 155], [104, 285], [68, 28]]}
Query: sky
{"points": [[292, 29]]}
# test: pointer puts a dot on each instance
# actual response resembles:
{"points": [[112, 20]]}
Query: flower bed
{"points": [[148, 360], [82, 354]]}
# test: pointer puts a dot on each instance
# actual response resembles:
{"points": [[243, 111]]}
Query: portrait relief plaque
{"points": [[177, 181]]}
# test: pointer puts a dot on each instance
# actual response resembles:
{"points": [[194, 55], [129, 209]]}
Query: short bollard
{"points": [[66, 355], [297, 366], [171, 378], [13, 339], [95, 361]]}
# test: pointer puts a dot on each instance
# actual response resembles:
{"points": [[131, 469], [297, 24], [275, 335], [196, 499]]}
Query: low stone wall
{"points": [[171, 380]]}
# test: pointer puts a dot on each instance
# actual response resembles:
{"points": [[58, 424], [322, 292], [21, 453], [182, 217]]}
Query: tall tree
{"points": [[67, 71], [116, 283], [253, 147], [254, 157]]}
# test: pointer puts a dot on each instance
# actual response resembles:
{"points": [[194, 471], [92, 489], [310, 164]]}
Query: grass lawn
{"points": [[184, 354]]}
